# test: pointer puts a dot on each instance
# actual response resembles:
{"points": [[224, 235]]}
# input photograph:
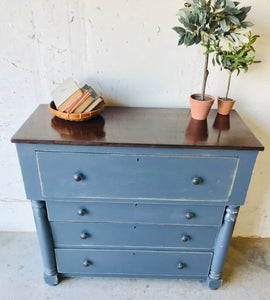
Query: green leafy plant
{"points": [[237, 58], [206, 22]]}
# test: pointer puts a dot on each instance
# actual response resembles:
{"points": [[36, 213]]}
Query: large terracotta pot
{"points": [[225, 106], [200, 109]]}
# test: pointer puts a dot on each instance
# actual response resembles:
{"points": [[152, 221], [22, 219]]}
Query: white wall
{"points": [[128, 52]]}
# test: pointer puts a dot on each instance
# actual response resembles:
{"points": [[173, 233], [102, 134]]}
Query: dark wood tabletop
{"points": [[140, 127]]}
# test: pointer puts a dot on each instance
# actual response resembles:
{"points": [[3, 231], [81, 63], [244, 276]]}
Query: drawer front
{"points": [[132, 235], [135, 176], [134, 213], [135, 263]]}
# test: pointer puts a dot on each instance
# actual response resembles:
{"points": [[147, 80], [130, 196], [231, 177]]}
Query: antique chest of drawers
{"points": [[136, 192]]}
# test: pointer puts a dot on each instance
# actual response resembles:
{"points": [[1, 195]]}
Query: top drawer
{"points": [[135, 176]]}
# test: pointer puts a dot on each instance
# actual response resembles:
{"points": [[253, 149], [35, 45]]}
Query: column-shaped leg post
{"points": [[45, 242], [214, 279]]}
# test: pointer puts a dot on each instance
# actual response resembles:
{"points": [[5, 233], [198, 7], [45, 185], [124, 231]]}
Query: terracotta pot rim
{"points": [[199, 94], [228, 99]]}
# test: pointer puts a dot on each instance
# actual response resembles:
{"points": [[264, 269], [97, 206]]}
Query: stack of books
{"points": [[68, 97]]}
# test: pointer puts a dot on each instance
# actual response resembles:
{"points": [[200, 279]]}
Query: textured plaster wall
{"points": [[128, 52]]}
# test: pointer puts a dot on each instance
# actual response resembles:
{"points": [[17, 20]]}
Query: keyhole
{"points": [[138, 159]]}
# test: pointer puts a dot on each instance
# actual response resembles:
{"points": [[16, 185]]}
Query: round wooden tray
{"points": [[76, 117]]}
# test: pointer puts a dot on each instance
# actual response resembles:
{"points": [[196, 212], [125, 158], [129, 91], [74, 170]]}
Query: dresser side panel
{"points": [[242, 177], [29, 169]]}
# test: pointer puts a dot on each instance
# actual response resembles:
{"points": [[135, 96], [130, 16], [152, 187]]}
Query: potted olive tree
{"points": [[237, 58], [206, 22]]}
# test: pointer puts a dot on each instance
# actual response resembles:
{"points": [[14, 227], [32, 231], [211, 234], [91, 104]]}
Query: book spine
{"points": [[85, 95], [93, 105]]}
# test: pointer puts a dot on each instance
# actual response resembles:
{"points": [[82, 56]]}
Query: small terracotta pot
{"points": [[225, 106], [200, 109]]}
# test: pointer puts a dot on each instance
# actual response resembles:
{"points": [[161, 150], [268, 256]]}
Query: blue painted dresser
{"points": [[136, 192]]}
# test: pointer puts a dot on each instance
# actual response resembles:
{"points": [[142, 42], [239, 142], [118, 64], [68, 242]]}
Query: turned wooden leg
{"points": [[45, 242], [214, 279]]}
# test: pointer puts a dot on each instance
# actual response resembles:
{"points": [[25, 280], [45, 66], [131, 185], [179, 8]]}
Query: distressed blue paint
{"points": [[135, 176], [27, 156], [29, 171], [156, 207], [221, 248], [242, 178], [45, 242], [133, 235], [126, 262], [135, 213], [159, 276]]}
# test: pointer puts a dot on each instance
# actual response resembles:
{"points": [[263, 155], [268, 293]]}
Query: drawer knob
{"points": [[82, 212], [77, 177], [185, 238], [196, 181], [181, 266], [84, 236], [87, 263], [189, 215]]}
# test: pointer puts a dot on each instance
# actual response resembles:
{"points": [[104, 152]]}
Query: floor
{"points": [[246, 276]]}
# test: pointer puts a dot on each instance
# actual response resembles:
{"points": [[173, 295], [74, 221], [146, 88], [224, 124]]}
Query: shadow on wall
{"points": [[262, 45], [253, 215], [259, 187]]}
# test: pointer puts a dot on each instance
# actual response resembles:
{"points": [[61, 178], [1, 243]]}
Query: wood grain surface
{"points": [[140, 127]]}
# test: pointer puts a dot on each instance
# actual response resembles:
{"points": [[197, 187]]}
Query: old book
{"points": [[93, 105], [93, 93], [75, 96], [93, 102], [67, 90], [78, 102], [83, 105]]}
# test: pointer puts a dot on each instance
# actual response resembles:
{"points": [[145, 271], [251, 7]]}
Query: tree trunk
{"points": [[228, 86], [205, 73]]}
